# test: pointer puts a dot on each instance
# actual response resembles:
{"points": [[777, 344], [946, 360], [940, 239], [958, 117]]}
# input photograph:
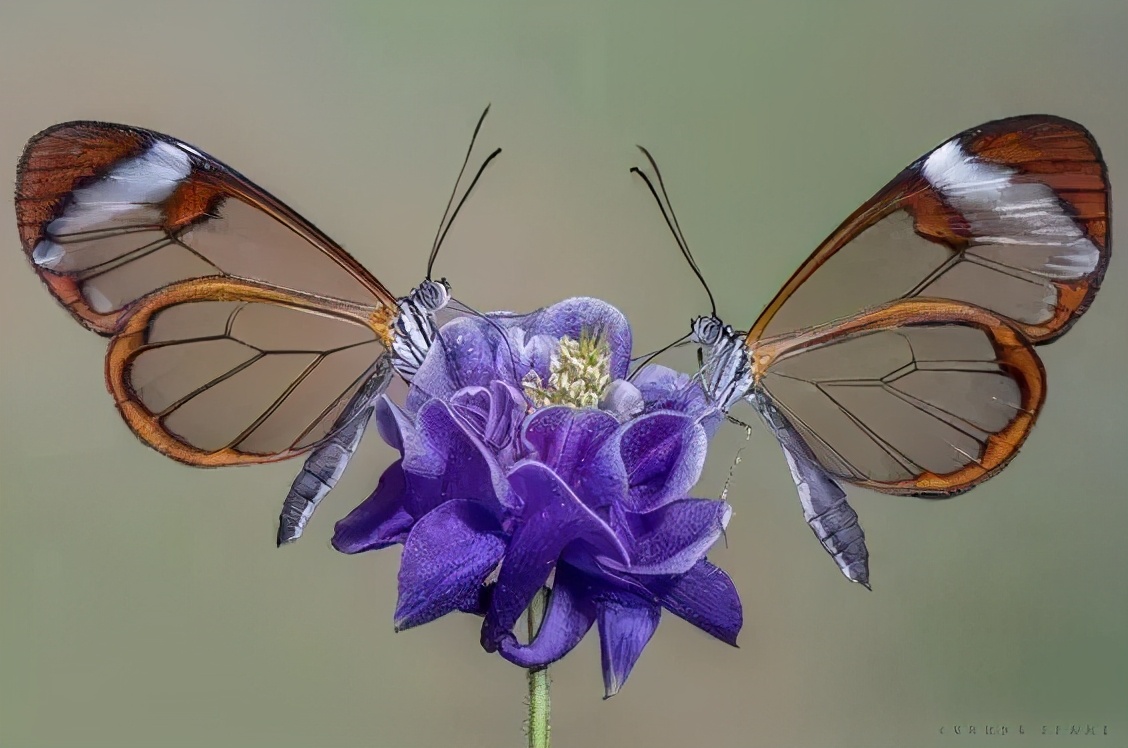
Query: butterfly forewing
{"points": [[109, 213], [217, 371], [921, 397], [1011, 216]]}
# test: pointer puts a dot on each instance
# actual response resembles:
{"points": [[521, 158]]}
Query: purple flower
{"points": [[497, 494]]}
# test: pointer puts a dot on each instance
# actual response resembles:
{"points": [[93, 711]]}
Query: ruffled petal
{"points": [[518, 354], [570, 318], [672, 538], [448, 462], [507, 412], [622, 400], [562, 437], [463, 356], [493, 414], [581, 557], [704, 596], [380, 520], [662, 454], [664, 388], [570, 614], [626, 623], [551, 519], [602, 480], [395, 426], [472, 404], [446, 559]]}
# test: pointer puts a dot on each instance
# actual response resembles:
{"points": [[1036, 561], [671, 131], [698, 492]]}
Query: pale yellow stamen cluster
{"points": [[579, 373]]}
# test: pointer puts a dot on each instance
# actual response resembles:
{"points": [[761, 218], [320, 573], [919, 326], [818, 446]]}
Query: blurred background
{"points": [[143, 603]]}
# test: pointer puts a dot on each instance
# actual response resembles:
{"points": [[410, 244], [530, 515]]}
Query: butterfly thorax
{"points": [[415, 329], [726, 373]]}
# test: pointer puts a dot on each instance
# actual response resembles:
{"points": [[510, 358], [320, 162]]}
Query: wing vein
{"points": [[207, 386]]}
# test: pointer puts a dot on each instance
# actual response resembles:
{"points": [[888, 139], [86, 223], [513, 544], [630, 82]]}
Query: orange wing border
{"points": [[130, 339], [1015, 354]]}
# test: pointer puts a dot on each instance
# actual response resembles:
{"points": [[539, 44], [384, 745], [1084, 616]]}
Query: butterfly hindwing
{"points": [[920, 397], [217, 371]]}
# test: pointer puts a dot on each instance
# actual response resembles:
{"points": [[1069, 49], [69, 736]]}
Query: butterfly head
{"points": [[707, 330], [433, 295]]}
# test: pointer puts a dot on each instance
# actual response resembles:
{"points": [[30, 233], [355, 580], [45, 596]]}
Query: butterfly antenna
{"points": [[458, 207], [448, 217], [651, 356], [667, 209], [453, 192]]}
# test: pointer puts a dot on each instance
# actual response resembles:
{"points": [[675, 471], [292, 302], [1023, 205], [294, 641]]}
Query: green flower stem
{"points": [[538, 679]]}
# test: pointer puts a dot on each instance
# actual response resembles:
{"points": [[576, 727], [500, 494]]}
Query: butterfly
{"points": [[238, 332], [901, 355]]}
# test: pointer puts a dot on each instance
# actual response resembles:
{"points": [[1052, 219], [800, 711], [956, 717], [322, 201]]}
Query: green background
{"points": [[143, 603]]}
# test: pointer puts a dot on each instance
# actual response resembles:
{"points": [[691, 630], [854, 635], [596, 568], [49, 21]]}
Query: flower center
{"points": [[579, 373]]}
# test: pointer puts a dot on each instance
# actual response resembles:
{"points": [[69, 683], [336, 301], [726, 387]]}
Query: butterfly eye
{"points": [[706, 330], [433, 295]]}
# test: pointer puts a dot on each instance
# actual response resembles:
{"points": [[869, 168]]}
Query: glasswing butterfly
{"points": [[901, 355], [238, 332]]}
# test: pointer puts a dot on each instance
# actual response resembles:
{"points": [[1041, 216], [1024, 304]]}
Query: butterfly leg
{"points": [[737, 422]]}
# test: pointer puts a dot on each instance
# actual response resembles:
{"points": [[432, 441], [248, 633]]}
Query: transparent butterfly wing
{"points": [[1011, 216], [920, 397]]}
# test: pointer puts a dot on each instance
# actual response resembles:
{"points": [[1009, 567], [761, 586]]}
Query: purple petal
{"points": [[570, 318], [472, 404], [507, 411], [446, 559], [662, 453], [393, 423], [602, 480], [552, 517], [564, 437], [655, 380], [711, 419], [518, 354], [626, 623], [463, 356], [570, 614], [663, 388], [672, 538], [448, 462], [622, 400], [704, 596], [581, 558], [492, 414], [380, 520]]}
